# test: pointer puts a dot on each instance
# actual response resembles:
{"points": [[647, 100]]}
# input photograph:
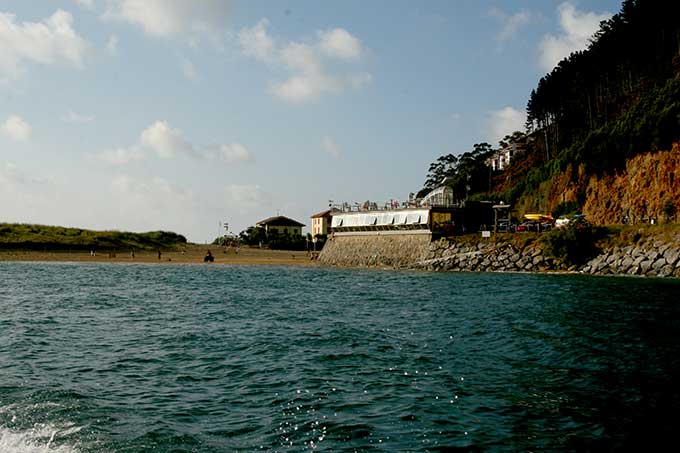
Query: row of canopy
{"points": [[419, 217]]}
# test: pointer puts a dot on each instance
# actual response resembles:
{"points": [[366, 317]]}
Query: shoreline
{"points": [[192, 254], [635, 252]]}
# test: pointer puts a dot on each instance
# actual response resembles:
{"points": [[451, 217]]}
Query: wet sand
{"points": [[191, 254]]}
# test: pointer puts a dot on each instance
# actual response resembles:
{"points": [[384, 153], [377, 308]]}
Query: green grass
{"points": [[42, 237]]}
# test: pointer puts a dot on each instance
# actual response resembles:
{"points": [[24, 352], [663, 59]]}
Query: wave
{"points": [[39, 439]]}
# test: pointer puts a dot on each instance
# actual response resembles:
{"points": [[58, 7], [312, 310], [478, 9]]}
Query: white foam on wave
{"points": [[39, 439]]}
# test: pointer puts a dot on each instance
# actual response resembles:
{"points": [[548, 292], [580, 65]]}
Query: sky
{"points": [[178, 115]]}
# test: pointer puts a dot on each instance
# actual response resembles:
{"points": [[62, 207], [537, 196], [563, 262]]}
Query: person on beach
{"points": [[159, 254], [208, 258]]}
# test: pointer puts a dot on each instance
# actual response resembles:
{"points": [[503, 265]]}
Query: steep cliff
{"points": [[639, 191]]}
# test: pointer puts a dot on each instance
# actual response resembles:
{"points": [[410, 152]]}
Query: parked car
{"points": [[564, 220], [523, 227]]}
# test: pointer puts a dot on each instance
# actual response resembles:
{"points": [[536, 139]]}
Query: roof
{"points": [[325, 213], [279, 221]]}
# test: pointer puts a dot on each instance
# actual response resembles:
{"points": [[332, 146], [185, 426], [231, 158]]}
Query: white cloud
{"points": [[20, 192], [9, 176], [50, 41], [16, 128], [230, 153], [88, 4], [301, 57], [506, 121], [164, 140], [121, 156], [112, 45], [359, 80], [168, 18], [155, 190], [577, 27], [510, 23], [255, 42], [189, 70], [152, 203], [306, 87], [339, 43], [124, 202], [309, 77], [246, 196], [330, 147], [73, 117]]}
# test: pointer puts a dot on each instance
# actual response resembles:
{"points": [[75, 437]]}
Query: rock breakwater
{"points": [[498, 256], [657, 259], [651, 257]]}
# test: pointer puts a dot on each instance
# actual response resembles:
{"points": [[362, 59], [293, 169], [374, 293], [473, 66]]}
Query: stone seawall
{"points": [[651, 257], [396, 250], [486, 256], [656, 259]]}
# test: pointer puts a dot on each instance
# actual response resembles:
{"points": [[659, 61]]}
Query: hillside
{"points": [[42, 237], [645, 188], [603, 126], [602, 130]]}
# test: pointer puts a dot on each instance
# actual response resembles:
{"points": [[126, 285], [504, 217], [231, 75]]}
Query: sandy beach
{"points": [[191, 254]]}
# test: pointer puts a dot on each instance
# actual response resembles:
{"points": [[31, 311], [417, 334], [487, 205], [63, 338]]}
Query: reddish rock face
{"points": [[649, 182], [639, 192]]}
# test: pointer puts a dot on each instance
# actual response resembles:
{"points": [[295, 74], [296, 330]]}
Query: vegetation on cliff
{"points": [[595, 110], [42, 237], [574, 244]]}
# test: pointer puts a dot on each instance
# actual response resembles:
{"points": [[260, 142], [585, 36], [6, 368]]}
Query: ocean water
{"points": [[174, 358]]}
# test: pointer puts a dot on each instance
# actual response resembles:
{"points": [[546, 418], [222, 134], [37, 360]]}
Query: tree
{"points": [[465, 174]]}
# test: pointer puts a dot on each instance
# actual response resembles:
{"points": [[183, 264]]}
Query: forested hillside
{"points": [[618, 98], [596, 110]]}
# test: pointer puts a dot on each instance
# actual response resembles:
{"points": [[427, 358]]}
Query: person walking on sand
{"points": [[159, 254]]}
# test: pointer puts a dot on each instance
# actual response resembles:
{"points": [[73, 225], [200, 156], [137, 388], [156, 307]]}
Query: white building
{"points": [[501, 158]]}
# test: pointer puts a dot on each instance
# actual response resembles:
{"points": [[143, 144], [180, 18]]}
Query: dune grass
{"points": [[44, 237]]}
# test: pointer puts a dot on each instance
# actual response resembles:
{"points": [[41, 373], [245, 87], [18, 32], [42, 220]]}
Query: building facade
{"points": [[321, 223], [502, 158], [280, 225]]}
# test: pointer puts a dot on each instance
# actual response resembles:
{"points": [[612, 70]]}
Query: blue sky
{"points": [[180, 115]]}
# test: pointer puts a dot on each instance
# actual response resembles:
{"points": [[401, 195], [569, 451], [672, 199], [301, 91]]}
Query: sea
{"points": [[213, 358]]}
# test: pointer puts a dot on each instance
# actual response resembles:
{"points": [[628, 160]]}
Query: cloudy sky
{"points": [[181, 115]]}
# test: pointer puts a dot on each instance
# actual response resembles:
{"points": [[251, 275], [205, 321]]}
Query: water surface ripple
{"points": [[132, 358]]}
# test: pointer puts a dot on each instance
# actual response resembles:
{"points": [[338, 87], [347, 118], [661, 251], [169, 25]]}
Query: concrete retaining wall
{"points": [[396, 251]]}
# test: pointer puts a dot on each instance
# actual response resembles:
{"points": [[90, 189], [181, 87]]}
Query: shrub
{"points": [[573, 244], [669, 210]]}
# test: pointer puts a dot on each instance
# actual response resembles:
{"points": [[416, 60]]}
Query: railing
{"points": [[391, 205]]}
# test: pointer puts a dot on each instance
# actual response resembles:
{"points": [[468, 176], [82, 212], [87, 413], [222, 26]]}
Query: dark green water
{"points": [[131, 358]]}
